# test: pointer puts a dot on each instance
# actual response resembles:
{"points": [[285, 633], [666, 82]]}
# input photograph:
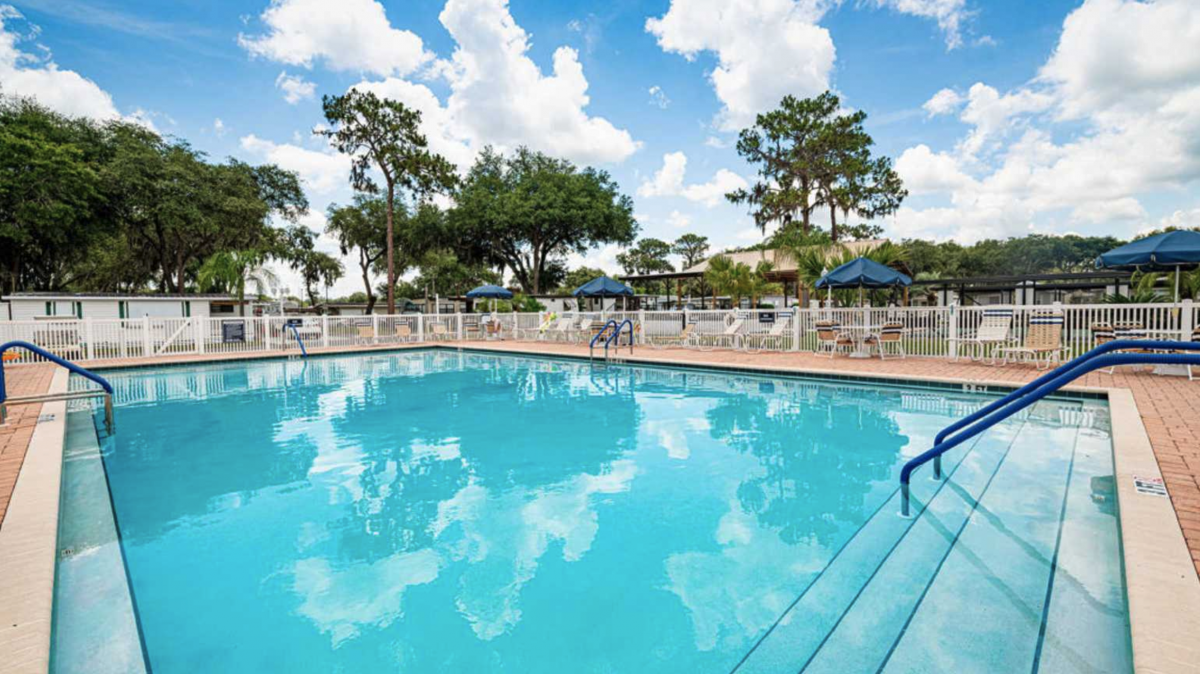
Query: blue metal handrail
{"points": [[596, 337], [1100, 357], [617, 335], [296, 334], [1108, 347], [72, 367]]}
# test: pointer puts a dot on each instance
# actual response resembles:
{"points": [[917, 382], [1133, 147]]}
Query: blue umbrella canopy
{"points": [[863, 273], [603, 287], [1167, 250], [490, 292]]}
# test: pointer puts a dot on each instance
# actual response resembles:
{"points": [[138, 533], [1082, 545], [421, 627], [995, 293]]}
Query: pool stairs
{"points": [[105, 390], [983, 577]]}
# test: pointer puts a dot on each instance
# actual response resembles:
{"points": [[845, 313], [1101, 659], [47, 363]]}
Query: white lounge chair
{"points": [[994, 332], [772, 340]]}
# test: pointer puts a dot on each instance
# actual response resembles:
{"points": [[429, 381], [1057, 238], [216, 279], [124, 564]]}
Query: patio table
{"points": [[859, 334]]}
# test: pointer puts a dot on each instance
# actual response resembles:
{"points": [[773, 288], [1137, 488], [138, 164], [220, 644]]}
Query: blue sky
{"points": [[1003, 117]]}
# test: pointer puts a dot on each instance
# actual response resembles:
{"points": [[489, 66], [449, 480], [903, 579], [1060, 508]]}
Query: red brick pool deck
{"points": [[1169, 405]]}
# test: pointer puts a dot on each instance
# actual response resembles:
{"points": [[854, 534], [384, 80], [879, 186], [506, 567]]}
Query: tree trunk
{"points": [[833, 232], [391, 260]]}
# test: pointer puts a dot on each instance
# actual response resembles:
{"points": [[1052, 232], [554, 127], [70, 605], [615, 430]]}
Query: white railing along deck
{"points": [[928, 331]]}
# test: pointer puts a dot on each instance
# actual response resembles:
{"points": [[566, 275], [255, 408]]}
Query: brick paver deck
{"points": [[19, 380], [1169, 406]]}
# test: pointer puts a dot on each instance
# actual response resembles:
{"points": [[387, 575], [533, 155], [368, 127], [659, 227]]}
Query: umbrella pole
{"points": [[1177, 284]]}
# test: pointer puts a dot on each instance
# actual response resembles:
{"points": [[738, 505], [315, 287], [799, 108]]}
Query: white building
{"points": [[40, 305]]}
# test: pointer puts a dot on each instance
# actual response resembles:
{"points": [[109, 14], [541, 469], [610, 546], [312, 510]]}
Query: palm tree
{"points": [[758, 285], [232, 269], [1189, 283], [719, 275]]}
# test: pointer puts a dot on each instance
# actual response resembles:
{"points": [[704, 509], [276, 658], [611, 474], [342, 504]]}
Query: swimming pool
{"points": [[453, 511]]}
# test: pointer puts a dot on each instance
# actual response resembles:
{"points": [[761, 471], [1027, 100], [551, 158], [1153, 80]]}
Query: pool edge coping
{"points": [[1163, 590], [29, 543]]}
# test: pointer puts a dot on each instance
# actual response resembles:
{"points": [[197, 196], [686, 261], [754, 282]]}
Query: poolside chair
{"points": [[772, 340], [472, 328], [730, 338], [831, 339], [890, 337], [404, 333], [546, 324], [1195, 338], [560, 330], [439, 332], [1129, 330], [366, 334], [1043, 341], [682, 339], [494, 330], [993, 333], [1103, 333]]}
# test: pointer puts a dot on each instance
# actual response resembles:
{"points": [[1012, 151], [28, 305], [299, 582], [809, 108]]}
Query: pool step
{"points": [[95, 627], [887, 542]]}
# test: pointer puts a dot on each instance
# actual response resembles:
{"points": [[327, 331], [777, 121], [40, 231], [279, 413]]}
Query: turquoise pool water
{"points": [[442, 511]]}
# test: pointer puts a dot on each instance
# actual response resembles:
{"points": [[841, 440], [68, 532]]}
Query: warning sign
{"points": [[1151, 486]]}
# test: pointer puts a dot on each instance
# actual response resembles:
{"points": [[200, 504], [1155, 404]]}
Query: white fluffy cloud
{"points": [[350, 35], [950, 15], [943, 102], [1132, 119], [499, 96], [294, 88], [668, 182], [36, 76], [321, 172], [765, 49]]}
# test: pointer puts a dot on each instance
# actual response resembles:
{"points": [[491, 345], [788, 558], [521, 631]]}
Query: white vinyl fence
{"points": [[931, 332]]}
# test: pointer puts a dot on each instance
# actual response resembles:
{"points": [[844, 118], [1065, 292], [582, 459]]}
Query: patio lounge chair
{"points": [[559, 332], [730, 338], [1043, 341], [404, 333], [993, 333], [366, 334], [890, 337], [538, 332], [682, 339], [439, 332], [495, 330], [831, 339], [772, 340]]}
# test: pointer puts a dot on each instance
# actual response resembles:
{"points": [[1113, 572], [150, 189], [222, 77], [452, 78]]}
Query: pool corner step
{"points": [[95, 628], [803, 631]]}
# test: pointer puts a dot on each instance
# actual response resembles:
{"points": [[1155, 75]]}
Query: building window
{"points": [[122, 310], [77, 309], [187, 309], [49, 308]]}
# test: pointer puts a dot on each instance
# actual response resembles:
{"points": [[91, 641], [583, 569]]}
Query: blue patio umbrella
{"points": [[603, 287], [863, 273], [490, 292], [1169, 250]]}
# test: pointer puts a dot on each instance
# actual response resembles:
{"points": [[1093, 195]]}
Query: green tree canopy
{"points": [[361, 228], [529, 210], [693, 248], [385, 135]]}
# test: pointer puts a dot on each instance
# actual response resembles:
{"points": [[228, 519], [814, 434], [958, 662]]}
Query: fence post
{"points": [[420, 327], [1186, 320], [374, 328], [87, 335], [198, 332], [145, 336], [641, 326], [324, 330], [458, 330], [953, 331], [796, 328]]}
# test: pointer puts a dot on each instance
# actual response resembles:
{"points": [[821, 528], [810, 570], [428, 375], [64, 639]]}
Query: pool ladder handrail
{"points": [[296, 334], [617, 337], [995, 412], [105, 388], [612, 322]]}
